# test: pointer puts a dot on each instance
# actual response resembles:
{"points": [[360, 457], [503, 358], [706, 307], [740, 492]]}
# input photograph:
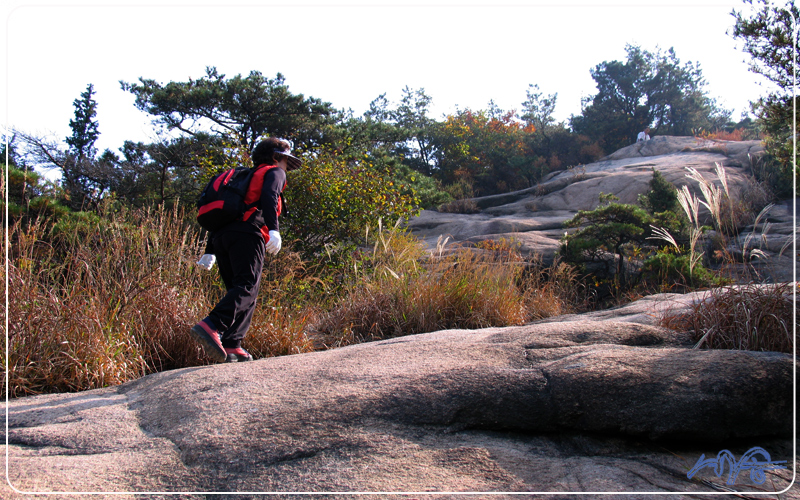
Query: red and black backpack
{"points": [[225, 199]]}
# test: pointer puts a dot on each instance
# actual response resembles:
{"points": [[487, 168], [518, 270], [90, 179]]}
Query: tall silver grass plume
{"points": [[763, 236], [711, 193], [695, 257], [690, 205], [663, 234], [440, 244], [785, 246], [723, 177]]}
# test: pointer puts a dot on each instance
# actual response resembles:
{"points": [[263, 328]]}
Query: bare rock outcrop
{"points": [[580, 403], [534, 217]]}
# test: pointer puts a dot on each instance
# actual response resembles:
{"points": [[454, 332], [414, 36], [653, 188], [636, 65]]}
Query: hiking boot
{"points": [[237, 354], [208, 337]]}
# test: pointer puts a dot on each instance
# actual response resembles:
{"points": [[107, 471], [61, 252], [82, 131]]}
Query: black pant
{"points": [[240, 257]]}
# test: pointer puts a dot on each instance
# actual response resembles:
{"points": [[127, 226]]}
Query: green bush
{"points": [[49, 207], [30, 195], [661, 201], [77, 227], [331, 201], [674, 273], [466, 206], [771, 173], [427, 190], [15, 211], [23, 185], [674, 222]]}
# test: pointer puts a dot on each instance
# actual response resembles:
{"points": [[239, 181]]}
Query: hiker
{"points": [[643, 135], [238, 248]]}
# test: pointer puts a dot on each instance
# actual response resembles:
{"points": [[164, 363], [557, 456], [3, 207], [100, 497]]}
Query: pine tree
{"points": [[769, 37], [84, 126], [663, 195], [84, 178]]}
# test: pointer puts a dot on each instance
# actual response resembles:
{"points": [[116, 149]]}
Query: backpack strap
{"points": [[253, 195]]}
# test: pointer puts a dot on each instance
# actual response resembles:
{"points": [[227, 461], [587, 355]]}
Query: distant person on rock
{"points": [[644, 135], [239, 249]]}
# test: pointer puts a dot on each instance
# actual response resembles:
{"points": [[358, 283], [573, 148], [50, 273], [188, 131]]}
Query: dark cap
{"points": [[292, 162], [265, 151]]}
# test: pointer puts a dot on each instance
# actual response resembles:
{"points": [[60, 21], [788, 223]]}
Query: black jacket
{"points": [[264, 217]]}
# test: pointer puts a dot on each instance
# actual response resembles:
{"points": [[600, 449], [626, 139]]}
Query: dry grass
{"points": [[278, 331], [749, 317], [738, 134], [464, 288], [108, 299], [552, 291], [283, 310], [100, 302]]}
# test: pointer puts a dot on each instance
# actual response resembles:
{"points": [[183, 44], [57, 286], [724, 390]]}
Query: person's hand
{"points": [[273, 245], [207, 261]]}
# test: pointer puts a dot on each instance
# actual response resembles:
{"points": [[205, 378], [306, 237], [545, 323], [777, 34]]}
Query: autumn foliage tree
{"points": [[554, 145], [489, 151]]}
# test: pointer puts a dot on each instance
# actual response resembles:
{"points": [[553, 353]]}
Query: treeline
{"points": [[468, 153], [409, 159]]}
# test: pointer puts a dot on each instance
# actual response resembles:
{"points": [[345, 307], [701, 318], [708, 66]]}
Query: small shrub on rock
{"points": [[460, 207], [669, 272]]}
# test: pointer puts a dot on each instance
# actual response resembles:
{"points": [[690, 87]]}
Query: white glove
{"points": [[273, 245], [207, 261]]}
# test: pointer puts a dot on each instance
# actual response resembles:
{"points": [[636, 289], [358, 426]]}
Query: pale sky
{"points": [[462, 53]]}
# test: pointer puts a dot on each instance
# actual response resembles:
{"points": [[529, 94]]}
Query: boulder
{"points": [[584, 403]]}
